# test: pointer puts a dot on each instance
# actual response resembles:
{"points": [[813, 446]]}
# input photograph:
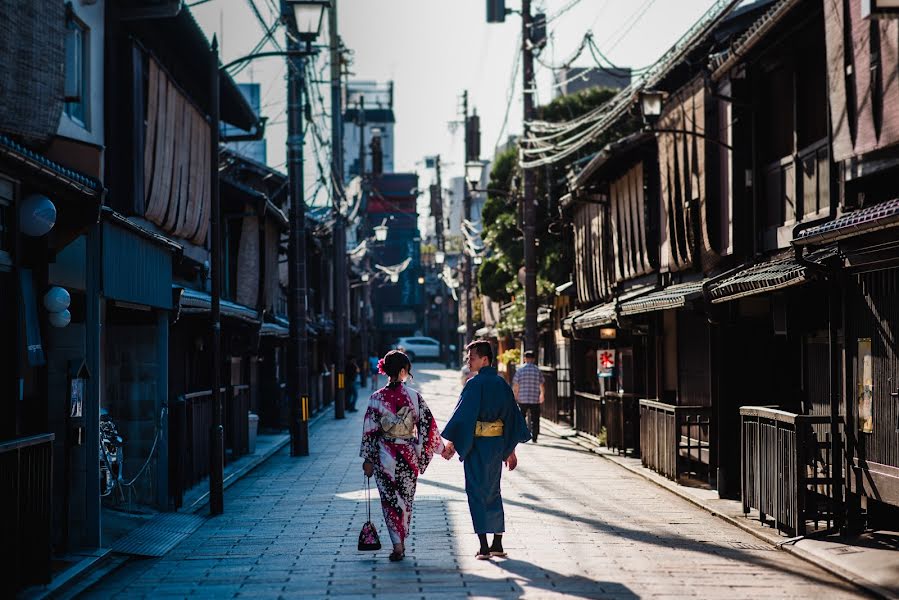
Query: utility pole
{"points": [[441, 247], [341, 280], [466, 212], [297, 355], [529, 199], [217, 432]]}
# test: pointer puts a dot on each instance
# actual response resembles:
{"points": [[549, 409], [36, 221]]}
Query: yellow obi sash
{"points": [[488, 429]]}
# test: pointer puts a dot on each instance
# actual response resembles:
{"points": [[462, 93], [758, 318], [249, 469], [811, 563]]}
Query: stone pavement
{"points": [[578, 527]]}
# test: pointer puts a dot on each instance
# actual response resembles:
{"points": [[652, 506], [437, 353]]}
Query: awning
{"points": [[568, 322], [484, 331], [597, 316], [779, 272], [673, 296], [866, 220], [196, 302], [274, 330]]}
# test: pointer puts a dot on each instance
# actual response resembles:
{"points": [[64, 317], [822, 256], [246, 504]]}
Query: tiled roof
{"points": [[857, 222], [720, 63], [41, 165], [781, 271], [596, 316], [673, 296], [196, 301]]}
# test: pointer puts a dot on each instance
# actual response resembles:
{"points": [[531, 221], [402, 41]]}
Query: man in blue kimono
{"points": [[484, 429]]}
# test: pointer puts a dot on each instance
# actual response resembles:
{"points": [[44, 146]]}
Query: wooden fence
{"points": [[26, 478], [622, 422], [787, 468], [588, 409], [674, 440]]}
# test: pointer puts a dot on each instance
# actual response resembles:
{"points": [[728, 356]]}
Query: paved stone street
{"points": [[578, 525]]}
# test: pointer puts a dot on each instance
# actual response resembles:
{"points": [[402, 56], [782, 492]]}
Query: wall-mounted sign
{"points": [[605, 363], [865, 386]]}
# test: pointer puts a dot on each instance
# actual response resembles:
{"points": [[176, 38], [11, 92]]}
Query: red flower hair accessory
{"points": [[381, 367]]}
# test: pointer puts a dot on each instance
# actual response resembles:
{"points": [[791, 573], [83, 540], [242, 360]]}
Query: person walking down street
{"points": [[373, 370], [484, 429], [528, 386], [353, 383], [399, 438]]}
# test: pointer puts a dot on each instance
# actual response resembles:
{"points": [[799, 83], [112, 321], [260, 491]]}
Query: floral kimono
{"points": [[399, 437]]}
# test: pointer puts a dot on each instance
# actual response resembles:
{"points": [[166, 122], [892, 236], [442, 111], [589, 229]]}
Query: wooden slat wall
{"points": [[683, 182], [854, 131], [248, 257], [176, 160], [272, 235], [593, 272], [631, 257], [874, 313]]}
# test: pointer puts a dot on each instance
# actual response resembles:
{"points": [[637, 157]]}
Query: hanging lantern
{"points": [[59, 319], [57, 299], [37, 215]]}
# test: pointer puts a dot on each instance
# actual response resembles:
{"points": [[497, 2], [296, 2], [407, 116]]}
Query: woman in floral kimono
{"points": [[399, 438]]}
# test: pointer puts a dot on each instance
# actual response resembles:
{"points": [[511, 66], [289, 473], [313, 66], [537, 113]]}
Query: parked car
{"points": [[418, 347]]}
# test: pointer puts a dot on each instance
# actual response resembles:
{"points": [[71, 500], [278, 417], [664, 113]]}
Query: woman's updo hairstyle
{"points": [[394, 362]]}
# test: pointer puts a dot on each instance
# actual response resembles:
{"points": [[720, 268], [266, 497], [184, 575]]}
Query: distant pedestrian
{"points": [[484, 429], [353, 384], [399, 438], [529, 388], [373, 371]]}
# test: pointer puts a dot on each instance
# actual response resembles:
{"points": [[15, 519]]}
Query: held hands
{"points": [[368, 468], [511, 462], [448, 451]]}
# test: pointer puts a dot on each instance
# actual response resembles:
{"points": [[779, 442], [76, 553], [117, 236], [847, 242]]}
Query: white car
{"points": [[418, 347]]}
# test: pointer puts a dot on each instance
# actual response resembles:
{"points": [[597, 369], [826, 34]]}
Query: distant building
{"points": [[368, 106], [576, 79], [253, 150], [453, 204]]}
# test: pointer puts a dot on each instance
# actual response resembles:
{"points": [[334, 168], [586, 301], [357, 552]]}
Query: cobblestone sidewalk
{"points": [[578, 527]]}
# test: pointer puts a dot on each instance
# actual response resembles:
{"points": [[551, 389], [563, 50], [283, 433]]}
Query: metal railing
{"points": [[26, 478], [588, 409], [787, 467], [674, 440], [622, 420]]}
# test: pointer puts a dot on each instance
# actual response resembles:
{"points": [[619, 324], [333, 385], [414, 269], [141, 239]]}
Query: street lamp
{"points": [[421, 281], [439, 257], [308, 16], [394, 277], [365, 277], [474, 169], [651, 102]]}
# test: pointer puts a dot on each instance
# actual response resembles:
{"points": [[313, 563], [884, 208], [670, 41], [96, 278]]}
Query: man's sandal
{"points": [[482, 554], [499, 553]]}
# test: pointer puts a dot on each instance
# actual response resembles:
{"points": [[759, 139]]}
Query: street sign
{"points": [[605, 363]]}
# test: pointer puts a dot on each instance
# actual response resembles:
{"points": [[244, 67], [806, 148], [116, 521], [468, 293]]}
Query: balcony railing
{"points": [[674, 440], [26, 478], [787, 467]]}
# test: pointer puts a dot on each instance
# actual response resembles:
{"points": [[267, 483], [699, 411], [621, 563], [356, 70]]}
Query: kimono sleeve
{"points": [[460, 428], [429, 440], [371, 430], [515, 428]]}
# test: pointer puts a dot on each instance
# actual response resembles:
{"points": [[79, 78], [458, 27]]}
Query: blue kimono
{"points": [[486, 397]]}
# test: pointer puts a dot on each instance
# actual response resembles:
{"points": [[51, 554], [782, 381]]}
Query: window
{"points": [[76, 83]]}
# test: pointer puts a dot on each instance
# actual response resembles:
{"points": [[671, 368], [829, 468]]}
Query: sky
{"points": [[435, 49]]}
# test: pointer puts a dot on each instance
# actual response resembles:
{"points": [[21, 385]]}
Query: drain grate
{"points": [[158, 535]]}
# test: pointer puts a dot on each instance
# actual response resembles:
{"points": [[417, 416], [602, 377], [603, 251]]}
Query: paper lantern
{"points": [[37, 215], [59, 319], [57, 299]]}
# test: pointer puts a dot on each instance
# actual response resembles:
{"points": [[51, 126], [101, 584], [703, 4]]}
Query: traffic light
{"points": [[496, 11]]}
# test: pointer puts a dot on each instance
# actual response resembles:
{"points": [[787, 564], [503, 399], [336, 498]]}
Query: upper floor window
{"points": [[77, 93]]}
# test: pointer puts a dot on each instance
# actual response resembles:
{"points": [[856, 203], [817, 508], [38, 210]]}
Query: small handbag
{"points": [[368, 537]]}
